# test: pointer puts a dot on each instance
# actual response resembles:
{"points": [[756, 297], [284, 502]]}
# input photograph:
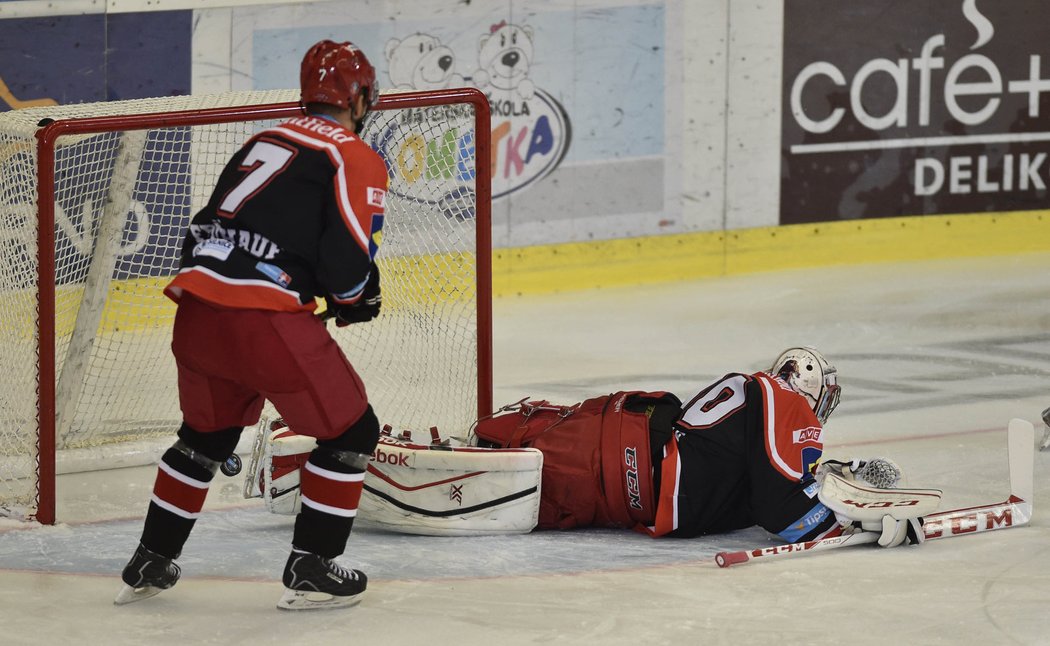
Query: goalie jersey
{"points": [[297, 213], [742, 453], [738, 453]]}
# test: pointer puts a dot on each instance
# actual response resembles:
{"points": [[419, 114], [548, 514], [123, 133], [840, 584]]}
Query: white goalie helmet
{"points": [[808, 373]]}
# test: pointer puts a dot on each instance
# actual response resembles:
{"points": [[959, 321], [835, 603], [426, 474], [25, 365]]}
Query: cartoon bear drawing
{"points": [[504, 58], [421, 62]]}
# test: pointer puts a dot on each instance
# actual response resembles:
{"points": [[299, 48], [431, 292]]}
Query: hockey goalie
{"points": [[743, 451]]}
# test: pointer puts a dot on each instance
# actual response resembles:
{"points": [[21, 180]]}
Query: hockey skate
{"points": [[145, 575], [314, 582]]}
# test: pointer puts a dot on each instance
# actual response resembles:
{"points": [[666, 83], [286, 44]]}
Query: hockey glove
{"points": [[364, 309]]}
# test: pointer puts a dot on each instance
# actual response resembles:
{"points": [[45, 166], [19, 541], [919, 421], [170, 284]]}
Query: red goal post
{"points": [[116, 184]]}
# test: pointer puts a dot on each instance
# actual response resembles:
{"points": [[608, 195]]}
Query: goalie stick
{"points": [[1015, 511]]}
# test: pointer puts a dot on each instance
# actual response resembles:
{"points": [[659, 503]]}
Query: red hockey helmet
{"points": [[336, 74]]}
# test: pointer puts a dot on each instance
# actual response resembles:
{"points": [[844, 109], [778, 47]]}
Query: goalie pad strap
{"points": [[869, 504]]}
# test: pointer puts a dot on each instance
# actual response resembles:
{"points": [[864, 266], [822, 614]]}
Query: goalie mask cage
{"points": [[87, 380]]}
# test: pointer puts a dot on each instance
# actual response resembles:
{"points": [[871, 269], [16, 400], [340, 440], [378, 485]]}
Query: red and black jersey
{"points": [[742, 454], [297, 214]]}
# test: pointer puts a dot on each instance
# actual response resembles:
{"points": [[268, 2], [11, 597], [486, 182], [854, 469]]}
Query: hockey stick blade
{"points": [[1022, 459], [1015, 511]]}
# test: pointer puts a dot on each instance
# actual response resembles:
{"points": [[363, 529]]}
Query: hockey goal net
{"points": [[87, 380]]}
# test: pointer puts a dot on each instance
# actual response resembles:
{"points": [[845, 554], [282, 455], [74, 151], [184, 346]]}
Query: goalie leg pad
{"points": [[284, 454], [443, 491], [416, 489]]}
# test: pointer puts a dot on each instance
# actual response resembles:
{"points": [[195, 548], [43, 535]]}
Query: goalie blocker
{"points": [[434, 489]]}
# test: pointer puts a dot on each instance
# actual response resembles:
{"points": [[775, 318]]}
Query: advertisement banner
{"points": [[86, 58], [65, 60], [576, 91], [911, 108]]}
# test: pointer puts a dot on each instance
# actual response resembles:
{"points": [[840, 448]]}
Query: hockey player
{"points": [[295, 215], [742, 451]]}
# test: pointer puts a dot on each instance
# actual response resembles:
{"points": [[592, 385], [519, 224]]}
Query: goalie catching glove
{"points": [[362, 310], [881, 473]]}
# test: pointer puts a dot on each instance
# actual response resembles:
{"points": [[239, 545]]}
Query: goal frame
{"points": [[47, 137]]}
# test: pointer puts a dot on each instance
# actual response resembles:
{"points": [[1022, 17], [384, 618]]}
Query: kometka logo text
{"points": [[925, 107]]}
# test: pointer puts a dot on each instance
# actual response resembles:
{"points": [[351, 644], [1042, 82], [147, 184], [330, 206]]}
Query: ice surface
{"points": [[934, 359]]}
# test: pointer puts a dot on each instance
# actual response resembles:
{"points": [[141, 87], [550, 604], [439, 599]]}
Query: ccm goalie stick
{"points": [[1015, 511]]}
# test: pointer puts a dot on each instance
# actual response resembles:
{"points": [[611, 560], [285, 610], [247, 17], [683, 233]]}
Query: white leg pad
{"points": [[445, 491], [284, 453]]}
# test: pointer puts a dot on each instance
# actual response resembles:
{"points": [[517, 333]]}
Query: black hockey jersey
{"points": [[742, 454], [297, 214]]}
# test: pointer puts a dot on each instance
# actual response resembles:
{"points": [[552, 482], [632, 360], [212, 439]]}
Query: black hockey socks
{"points": [[183, 477], [331, 482], [331, 490]]}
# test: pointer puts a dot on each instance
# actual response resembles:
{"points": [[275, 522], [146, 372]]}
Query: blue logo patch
{"points": [[796, 530], [274, 273], [810, 457]]}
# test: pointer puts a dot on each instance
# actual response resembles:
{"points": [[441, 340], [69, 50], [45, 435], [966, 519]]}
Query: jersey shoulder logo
{"points": [[808, 434]]}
